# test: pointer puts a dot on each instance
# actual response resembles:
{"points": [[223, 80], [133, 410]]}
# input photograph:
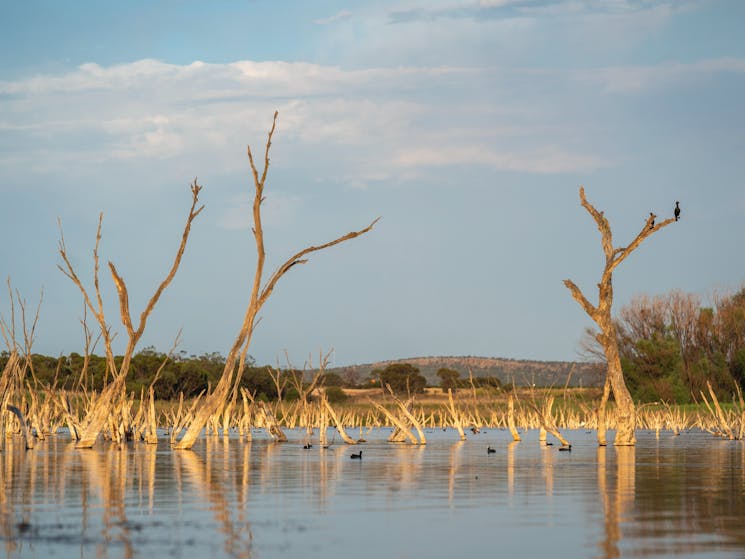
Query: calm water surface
{"points": [[673, 497]]}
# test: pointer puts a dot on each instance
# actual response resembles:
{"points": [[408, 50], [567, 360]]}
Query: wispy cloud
{"points": [[340, 16], [200, 112], [485, 10], [340, 123], [627, 79], [549, 159]]}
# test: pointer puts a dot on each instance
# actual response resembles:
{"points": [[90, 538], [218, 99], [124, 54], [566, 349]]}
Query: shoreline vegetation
{"points": [[667, 349], [44, 411], [317, 402]]}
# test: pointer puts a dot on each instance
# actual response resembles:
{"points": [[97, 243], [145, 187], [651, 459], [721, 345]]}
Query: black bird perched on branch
{"points": [[677, 210], [652, 217]]}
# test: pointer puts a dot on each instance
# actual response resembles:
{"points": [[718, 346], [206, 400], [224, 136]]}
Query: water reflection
{"points": [[618, 497], [676, 496], [203, 477], [107, 476]]}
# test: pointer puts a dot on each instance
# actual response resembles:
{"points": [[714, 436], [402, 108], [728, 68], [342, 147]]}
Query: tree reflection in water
{"points": [[207, 483], [617, 498], [676, 496]]}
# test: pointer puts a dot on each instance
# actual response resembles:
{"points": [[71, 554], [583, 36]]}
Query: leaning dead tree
{"points": [[111, 397], [229, 382], [601, 314]]}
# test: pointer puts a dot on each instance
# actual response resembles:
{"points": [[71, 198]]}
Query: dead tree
{"points": [[112, 395], [601, 314], [230, 379], [13, 382]]}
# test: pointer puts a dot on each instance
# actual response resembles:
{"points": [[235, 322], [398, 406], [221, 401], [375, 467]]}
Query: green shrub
{"points": [[335, 394]]}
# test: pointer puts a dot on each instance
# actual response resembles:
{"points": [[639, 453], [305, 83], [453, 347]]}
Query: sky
{"points": [[466, 126]]}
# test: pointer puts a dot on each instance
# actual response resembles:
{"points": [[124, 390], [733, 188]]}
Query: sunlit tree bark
{"points": [[112, 394], [601, 314], [260, 293]]}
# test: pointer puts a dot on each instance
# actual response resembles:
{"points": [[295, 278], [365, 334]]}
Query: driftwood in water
{"points": [[271, 424], [406, 412], [323, 424], [545, 416], [402, 431], [244, 425], [25, 429], [456, 417], [403, 423], [511, 419], [339, 427]]}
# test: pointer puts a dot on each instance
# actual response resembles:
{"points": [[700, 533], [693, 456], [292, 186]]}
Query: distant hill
{"points": [[521, 372]]}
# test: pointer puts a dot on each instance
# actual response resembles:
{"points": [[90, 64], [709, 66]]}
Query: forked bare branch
{"points": [[230, 379]]}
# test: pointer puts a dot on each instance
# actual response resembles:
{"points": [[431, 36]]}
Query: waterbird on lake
{"points": [[307, 446], [567, 448], [490, 450], [356, 455], [677, 210]]}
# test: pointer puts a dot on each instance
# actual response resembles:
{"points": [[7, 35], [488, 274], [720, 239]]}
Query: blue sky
{"points": [[467, 125]]}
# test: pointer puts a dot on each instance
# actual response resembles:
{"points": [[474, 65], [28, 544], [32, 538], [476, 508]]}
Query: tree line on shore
{"points": [[194, 374], [671, 345]]}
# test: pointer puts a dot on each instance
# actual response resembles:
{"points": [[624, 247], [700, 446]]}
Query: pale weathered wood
{"points": [[98, 415], [259, 296], [547, 422], [339, 427], [601, 314], [408, 415], [511, 419], [455, 416], [403, 429]]}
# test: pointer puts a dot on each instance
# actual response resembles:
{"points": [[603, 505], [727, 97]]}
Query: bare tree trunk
{"points": [[456, 416], [545, 416], [511, 419], [259, 296], [601, 415], [323, 424], [601, 314], [272, 425], [403, 429], [339, 427]]}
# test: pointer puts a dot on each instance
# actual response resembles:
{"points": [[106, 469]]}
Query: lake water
{"points": [[673, 497]]}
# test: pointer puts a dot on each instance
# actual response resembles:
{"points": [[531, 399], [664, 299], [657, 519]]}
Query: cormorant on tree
{"points": [[651, 223], [677, 210]]}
